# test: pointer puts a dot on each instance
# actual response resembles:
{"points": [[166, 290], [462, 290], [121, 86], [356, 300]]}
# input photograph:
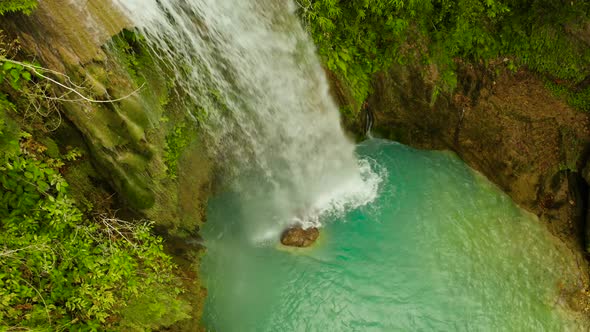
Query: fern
{"points": [[13, 6], [357, 38]]}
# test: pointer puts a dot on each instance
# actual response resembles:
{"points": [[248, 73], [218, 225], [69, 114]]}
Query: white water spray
{"points": [[251, 67]]}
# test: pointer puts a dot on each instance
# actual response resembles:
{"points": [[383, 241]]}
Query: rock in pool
{"points": [[296, 236]]}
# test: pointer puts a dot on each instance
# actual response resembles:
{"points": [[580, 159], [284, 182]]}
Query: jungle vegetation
{"points": [[358, 38], [70, 266], [67, 265]]}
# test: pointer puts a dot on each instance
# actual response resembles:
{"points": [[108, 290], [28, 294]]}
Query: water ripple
{"points": [[440, 249]]}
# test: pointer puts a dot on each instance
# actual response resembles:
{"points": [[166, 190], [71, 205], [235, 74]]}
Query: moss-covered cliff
{"points": [[507, 125], [500, 85], [504, 88], [143, 158], [128, 139]]}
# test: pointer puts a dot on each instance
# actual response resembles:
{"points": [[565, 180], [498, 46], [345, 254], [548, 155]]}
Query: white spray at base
{"points": [[252, 68]]}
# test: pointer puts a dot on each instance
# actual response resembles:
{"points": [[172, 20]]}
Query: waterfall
{"points": [[254, 82]]}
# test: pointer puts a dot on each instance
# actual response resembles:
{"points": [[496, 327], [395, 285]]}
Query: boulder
{"points": [[297, 236]]}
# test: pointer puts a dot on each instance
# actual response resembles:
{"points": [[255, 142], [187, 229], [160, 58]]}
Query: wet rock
{"points": [[296, 236], [505, 125]]}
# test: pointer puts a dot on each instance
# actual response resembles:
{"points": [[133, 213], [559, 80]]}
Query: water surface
{"points": [[440, 249]]}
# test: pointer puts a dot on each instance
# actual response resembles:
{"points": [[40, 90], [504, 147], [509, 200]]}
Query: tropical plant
{"points": [[357, 38], [13, 6], [60, 269]]}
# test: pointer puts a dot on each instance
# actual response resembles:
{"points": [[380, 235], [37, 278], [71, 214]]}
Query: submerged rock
{"points": [[296, 236]]}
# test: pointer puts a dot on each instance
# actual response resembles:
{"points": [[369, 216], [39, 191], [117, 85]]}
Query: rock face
{"points": [[125, 144], [125, 140], [298, 237], [506, 125]]}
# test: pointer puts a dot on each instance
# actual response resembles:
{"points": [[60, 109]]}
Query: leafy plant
{"points": [[15, 74], [13, 6], [357, 38], [60, 270]]}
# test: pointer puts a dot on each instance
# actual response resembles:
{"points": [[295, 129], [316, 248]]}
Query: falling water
{"points": [[439, 249], [251, 67]]}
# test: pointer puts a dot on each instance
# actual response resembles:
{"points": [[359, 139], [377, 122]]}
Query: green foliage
{"points": [[27, 91], [536, 33], [155, 305], [13, 6], [578, 98], [357, 38], [60, 270], [8, 129], [15, 74], [176, 141]]}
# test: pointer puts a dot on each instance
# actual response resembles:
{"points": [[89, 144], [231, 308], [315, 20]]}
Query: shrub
{"points": [[13, 6], [63, 269], [60, 269], [360, 37]]}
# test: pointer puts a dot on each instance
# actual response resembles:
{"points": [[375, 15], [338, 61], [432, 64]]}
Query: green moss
{"points": [[577, 98], [135, 190], [131, 49], [9, 131], [135, 117], [580, 99], [149, 75], [176, 142], [52, 148], [84, 187], [154, 309], [139, 60]]}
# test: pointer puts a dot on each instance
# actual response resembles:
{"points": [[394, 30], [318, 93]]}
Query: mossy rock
{"points": [[52, 148], [154, 310]]}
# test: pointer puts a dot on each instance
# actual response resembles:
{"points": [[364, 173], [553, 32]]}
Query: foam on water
{"points": [[348, 195], [250, 66], [439, 249]]}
